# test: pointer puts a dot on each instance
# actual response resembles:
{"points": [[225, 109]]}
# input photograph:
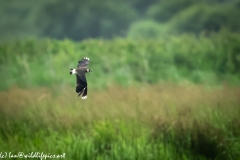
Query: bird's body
{"points": [[81, 77]]}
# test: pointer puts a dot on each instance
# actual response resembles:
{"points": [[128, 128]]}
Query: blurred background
{"points": [[165, 80], [80, 19], [148, 41]]}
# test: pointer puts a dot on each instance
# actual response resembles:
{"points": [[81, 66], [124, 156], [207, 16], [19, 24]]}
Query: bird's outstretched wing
{"points": [[84, 62], [81, 85]]}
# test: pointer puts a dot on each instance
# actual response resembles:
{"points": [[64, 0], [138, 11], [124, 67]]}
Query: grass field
{"points": [[148, 122], [166, 99]]}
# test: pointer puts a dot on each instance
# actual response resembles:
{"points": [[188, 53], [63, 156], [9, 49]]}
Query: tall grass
{"points": [[147, 99], [205, 59], [154, 122]]}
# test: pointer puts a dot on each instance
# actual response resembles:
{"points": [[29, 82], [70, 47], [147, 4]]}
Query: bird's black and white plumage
{"points": [[81, 77]]}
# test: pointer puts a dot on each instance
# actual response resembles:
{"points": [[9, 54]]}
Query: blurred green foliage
{"points": [[78, 20], [146, 29], [204, 59]]}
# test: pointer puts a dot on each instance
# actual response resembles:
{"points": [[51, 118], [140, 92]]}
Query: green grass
{"points": [[123, 123], [173, 98]]}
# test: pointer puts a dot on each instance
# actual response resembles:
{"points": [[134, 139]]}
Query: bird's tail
{"points": [[84, 95], [80, 90]]}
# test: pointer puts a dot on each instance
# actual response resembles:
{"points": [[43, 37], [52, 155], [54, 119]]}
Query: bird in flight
{"points": [[81, 77]]}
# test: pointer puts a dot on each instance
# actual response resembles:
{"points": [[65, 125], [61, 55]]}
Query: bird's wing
{"points": [[81, 83], [83, 63]]}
